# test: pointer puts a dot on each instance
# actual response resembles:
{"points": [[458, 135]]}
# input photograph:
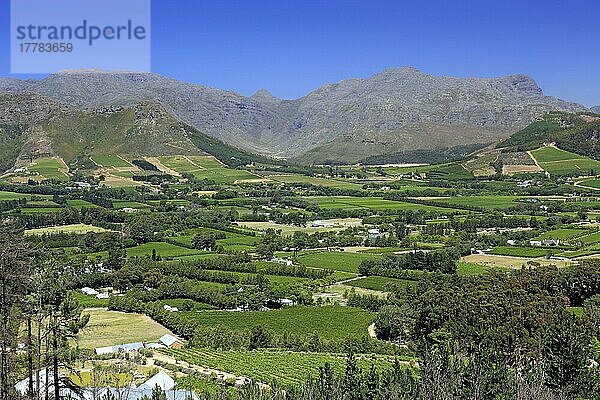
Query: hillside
{"points": [[34, 127], [577, 133], [398, 110]]}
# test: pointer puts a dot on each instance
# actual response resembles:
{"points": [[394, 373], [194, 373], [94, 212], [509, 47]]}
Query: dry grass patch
{"points": [[110, 328]]}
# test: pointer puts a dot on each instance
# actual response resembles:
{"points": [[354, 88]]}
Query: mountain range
{"points": [[399, 111]]}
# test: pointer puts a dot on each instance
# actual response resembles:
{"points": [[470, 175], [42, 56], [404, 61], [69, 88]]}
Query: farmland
{"points": [[331, 322], [269, 272], [109, 328], [162, 249], [75, 228], [206, 167], [111, 161], [314, 181], [519, 251], [50, 168], [338, 261], [560, 162], [487, 202], [285, 368], [374, 203]]}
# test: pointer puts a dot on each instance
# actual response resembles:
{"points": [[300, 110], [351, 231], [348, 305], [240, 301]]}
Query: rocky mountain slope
{"points": [[33, 126], [397, 110], [596, 109]]}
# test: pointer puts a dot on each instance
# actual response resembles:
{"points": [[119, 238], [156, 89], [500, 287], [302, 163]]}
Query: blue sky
{"points": [[292, 47]]}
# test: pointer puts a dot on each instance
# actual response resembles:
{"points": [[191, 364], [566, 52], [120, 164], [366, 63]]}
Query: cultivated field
{"points": [[110, 328], [337, 261], [269, 366], [560, 162], [50, 168], [341, 184], [338, 224], [79, 229], [331, 322], [111, 161], [491, 260], [206, 167]]}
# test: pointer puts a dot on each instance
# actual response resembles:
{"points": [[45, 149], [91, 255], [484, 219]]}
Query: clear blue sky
{"points": [[292, 47]]}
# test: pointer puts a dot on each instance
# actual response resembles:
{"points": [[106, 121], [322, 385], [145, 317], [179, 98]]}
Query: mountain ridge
{"points": [[33, 126], [391, 111]]}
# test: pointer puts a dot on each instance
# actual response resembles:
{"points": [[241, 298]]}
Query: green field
{"points": [[331, 322], [16, 196], [516, 251], [267, 366], [233, 241], [88, 301], [372, 203], [564, 234], [590, 239], [50, 168], [111, 161], [79, 204], [75, 228], [487, 202], [469, 269], [337, 261], [119, 204], [341, 184], [379, 283], [164, 250], [593, 250], [590, 183], [560, 162], [206, 167]]}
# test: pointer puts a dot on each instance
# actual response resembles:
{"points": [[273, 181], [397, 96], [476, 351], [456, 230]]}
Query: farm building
{"points": [[171, 342], [322, 224], [89, 291], [125, 348], [374, 234], [281, 261], [161, 380]]}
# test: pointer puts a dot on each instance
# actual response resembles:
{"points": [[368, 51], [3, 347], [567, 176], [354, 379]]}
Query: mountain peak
{"points": [[399, 71], [596, 109], [522, 83], [264, 96]]}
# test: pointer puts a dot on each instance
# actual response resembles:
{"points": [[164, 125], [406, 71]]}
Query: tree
{"points": [[259, 337], [565, 353], [116, 258], [352, 383], [393, 323], [265, 251], [15, 275]]}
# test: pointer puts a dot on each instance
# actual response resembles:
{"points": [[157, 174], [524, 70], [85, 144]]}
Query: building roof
{"points": [[162, 380], [168, 340], [127, 347]]}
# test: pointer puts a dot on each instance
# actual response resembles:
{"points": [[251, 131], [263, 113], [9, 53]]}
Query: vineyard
{"points": [[332, 322], [267, 366]]}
